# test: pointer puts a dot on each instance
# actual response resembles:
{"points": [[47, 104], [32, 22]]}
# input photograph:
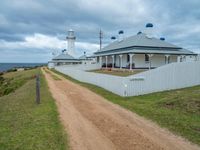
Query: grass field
{"points": [[121, 73], [26, 125], [177, 110], [11, 81], [52, 75]]}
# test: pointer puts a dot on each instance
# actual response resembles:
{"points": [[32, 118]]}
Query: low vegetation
{"points": [[52, 75], [9, 82], [176, 110], [23, 123], [122, 73]]}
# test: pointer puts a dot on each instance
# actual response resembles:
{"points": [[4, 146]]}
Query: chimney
{"points": [[149, 30], [113, 38], [162, 39], [139, 32], [64, 51], [121, 33]]}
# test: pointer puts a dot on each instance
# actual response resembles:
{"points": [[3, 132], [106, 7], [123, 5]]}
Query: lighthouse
{"points": [[71, 43]]}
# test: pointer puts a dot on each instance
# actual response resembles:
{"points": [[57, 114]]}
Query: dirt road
{"points": [[94, 123]]}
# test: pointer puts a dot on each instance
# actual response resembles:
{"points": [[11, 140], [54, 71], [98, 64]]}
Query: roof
{"points": [[64, 57], [140, 43], [83, 57], [57, 61], [91, 56]]}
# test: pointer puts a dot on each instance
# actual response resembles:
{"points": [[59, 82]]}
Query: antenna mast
{"points": [[100, 38]]}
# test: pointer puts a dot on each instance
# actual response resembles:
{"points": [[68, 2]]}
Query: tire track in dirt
{"points": [[94, 123]]}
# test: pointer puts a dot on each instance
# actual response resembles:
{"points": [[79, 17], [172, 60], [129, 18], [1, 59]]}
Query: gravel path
{"points": [[94, 123]]}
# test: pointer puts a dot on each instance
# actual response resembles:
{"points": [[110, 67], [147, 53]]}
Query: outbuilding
{"points": [[63, 59]]}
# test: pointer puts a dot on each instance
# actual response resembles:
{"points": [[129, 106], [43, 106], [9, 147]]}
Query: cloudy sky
{"points": [[30, 30]]}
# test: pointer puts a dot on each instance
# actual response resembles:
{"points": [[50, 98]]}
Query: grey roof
{"points": [[71, 61], [83, 57], [64, 57], [144, 51], [91, 56], [140, 43]]}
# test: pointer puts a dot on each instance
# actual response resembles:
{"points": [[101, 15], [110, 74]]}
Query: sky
{"points": [[31, 30]]}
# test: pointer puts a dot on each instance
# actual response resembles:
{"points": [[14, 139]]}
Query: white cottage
{"points": [[67, 59], [63, 59], [140, 52]]}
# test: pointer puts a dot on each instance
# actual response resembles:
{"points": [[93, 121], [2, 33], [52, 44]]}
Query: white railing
{"points": [[171, 76]]}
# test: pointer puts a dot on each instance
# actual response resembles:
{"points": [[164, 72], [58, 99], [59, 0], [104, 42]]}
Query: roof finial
{"points": [[149, 30], [121, 32], [64, 50]]}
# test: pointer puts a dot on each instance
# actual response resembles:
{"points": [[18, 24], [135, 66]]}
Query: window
{"points": [[128, 58], [181, 59], [98, 59], [146, 58]]}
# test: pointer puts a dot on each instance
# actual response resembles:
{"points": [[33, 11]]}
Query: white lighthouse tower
{"points": [[71, 43]]}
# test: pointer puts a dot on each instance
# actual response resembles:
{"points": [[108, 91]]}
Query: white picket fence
{"points": [[171, 76]]}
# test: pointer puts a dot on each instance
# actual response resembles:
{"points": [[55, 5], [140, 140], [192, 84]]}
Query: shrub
{"points": [[1, 79]]}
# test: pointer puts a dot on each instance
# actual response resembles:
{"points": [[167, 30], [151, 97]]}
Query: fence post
{"points": [[37, 89]]}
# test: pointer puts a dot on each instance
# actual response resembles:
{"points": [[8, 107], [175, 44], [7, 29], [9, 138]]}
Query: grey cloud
{"points": [[173, 19]]}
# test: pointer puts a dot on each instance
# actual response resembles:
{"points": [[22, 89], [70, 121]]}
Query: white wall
{"points": [[88, 61], [139, 60], [190, 58], [173, 58], [167, 77], [124, 60], [117, 61], [110, 60], [51, 65], [110, 83], [158, 60], [198, 57]]}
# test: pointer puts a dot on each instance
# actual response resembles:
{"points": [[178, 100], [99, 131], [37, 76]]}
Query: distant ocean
{"points": [[7, 66]]}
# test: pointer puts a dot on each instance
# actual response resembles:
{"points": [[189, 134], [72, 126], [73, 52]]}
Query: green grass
{"points": [[122, 73], [52, 75], [11, 81], [177, 110], [26, 125]]}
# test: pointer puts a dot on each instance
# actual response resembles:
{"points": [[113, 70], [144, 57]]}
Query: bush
{"points": [[1, 79], [8, 90], [12, 70]]}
